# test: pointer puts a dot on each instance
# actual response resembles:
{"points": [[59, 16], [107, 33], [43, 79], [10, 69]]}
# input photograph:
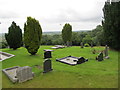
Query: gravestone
{"points": [[81, 44], [47, 54], [100, 57], [24, 73], [47, 66], [106, 52], [81, 60]]}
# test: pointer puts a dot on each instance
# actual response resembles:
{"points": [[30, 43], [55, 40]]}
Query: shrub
{"points": [[86, 45]]}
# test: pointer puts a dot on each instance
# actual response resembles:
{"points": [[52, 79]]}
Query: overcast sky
{"points": [[52, 14]]}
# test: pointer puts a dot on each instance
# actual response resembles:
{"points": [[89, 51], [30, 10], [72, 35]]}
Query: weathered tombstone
{"points": [[106, 52], [47, 54], [81, 44], [100, 57], [47, 66], [24, 73]]}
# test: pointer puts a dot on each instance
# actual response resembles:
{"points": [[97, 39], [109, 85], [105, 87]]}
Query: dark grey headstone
{"points": [[100, 57], [47, 65], [47, 54], [81, 60]]}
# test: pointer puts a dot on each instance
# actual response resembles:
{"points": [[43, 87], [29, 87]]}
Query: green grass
{"points": [[92, 74]]}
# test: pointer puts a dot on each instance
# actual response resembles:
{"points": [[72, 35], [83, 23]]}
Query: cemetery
{"points": [[79, 68]]}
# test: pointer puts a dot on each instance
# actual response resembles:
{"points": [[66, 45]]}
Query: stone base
{"points": [[47, 71], [107, 57]]}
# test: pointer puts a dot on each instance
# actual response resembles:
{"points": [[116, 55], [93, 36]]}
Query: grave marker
{"points": [[100, 57], [47, 66], [47, 54], [24, 73], [106, 52]]}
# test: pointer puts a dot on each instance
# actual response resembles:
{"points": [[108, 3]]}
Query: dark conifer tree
{"points": [[14, 36], [67, 34], [32, 35], [111, 24]]}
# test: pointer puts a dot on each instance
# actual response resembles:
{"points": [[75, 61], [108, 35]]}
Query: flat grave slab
{"points": [[72, 60], [4, 55], [11, 73], [48, 50], [19, 74], [58, 47]]}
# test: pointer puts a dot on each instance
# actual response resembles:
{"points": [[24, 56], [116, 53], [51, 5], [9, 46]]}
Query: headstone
{"points": [[106, 52], [81, 60], [100, 57], [47, 66], [24, 73], [47, 54], [81, 44]]}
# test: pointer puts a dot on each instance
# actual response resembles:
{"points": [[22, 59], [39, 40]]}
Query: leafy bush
{"points": [[86, 45]]}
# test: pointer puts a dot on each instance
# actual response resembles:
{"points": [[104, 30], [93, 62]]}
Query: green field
{"points": [[91, 74]]}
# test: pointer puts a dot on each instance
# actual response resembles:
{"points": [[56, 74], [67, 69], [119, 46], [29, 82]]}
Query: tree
{"points": [[111, 24], [32, 35], [87, 39], [14, 36], [67, 33], [97, 35]]}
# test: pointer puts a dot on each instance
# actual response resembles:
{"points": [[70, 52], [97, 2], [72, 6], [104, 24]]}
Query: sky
{"points": [[52, 14]]}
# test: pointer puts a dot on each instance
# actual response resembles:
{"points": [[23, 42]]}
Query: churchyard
{"points": [[90, 74]]}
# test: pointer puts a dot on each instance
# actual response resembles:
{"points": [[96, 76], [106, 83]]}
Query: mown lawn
{"points": [[92, 74]]}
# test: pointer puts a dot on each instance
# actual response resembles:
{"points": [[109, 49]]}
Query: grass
{"points": [[92, 74]]}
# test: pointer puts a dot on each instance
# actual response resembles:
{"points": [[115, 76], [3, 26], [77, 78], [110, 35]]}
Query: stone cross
{"points": [[47, 66], [24, 73]]}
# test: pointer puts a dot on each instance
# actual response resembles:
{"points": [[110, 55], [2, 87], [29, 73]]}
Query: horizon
{"points": [[57, 31]]}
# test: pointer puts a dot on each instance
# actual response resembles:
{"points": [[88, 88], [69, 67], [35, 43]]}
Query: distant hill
{"points": [[2, 37], [59, 32]]}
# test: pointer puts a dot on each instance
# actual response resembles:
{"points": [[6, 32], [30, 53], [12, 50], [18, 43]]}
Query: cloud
{"points": [[8, 14], [71, 15], [81, 14]]}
